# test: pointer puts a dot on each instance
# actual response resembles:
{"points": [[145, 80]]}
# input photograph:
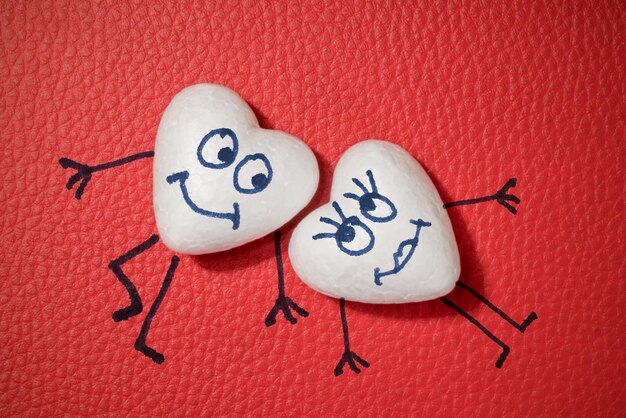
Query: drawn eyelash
{"points": [[331, 222], [361, 186]]}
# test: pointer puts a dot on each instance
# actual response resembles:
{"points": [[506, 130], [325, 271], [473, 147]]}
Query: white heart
{"points": [[220, 180], [384, 237]]}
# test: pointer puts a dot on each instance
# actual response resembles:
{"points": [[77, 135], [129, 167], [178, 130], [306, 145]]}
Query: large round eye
{"points": [[253, 174], [218, 149], [353, 237], [377, 207]]}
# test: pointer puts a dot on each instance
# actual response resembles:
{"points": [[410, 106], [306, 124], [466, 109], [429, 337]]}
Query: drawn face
{"points": [[217, 151], [384, 237], [219, 180], [376, 208]]}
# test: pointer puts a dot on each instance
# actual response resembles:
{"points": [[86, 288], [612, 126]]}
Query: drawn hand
{"points": [[83, 174], [503, 198]]}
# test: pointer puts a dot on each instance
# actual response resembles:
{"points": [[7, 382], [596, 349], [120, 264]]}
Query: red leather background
{"points": [[478, 93]]}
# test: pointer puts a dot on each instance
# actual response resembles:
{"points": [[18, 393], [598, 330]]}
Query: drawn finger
{"points": [[353, 366], [301, 311], [66, 163], [512, 198], [81, 188], [363, 363], [72, 181], [508, 206], [339, 368], [288, 316], [511, 183], [270, 319]]}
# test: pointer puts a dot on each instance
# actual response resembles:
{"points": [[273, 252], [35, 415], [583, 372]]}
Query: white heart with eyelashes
{"points": [[220, 180], [384, 237]]}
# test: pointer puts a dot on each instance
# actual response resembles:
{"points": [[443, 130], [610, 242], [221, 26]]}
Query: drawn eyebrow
{"points": [[329, 221], [360, 185], [370, 176], [324, 235]]}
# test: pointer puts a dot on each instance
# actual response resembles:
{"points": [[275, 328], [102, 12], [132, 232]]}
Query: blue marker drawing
{"points": [[182, 177], [398, 261], [346, 232], [226, 155], [259, 181], [368, 200]]}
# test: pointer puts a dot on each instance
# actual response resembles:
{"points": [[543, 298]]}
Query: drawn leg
{"points": [[520, 327], [283, 303], [348, 356], [135, 306], [505, 349], [140, 343]]}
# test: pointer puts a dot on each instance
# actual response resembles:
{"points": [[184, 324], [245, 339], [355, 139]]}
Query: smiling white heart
{"points": [[384, 237], [220, 180]]}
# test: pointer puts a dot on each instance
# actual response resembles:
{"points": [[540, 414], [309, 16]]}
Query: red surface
{"points": [[478, 94]]}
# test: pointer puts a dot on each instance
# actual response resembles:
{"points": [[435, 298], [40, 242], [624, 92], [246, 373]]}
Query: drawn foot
{"points": [[503, 198], [526, 322], [505, 352], [128, 312], [149, 352], [352, 359], [285, 305], [83, 174]]}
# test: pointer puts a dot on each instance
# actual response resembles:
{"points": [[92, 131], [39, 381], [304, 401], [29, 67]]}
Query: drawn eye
{"points": [[373, 205], [377, 207], [218, 149], [253, 174], [352, 236]]}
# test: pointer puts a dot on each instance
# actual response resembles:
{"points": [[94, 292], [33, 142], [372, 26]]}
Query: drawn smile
{"points": [[403, 254], [182, 178]]}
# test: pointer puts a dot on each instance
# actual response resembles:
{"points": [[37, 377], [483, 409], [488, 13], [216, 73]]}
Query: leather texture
{"points": [[477, 92]]}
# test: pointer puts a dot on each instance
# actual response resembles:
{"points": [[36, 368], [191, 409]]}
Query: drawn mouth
{"points": [[403, 254], [182, 178]]}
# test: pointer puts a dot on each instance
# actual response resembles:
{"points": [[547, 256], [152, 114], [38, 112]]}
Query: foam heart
{"points": [[384, 237], [220, 181]]}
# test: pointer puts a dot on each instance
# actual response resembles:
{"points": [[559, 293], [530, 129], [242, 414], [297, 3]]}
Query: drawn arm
{"points": [[84, 172], [501, 196]]}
